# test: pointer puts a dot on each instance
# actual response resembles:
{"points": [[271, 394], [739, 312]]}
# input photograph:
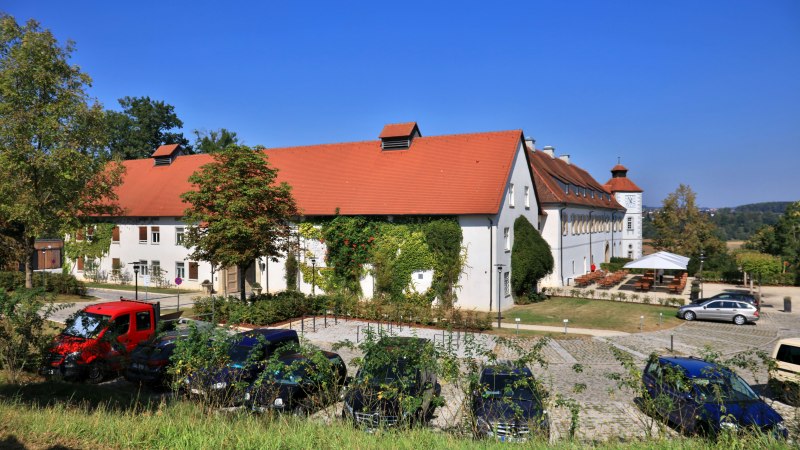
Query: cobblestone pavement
{"points": [[607, 412]]}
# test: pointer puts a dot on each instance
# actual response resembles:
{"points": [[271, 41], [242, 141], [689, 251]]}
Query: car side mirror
{"points": [[705, 307]]}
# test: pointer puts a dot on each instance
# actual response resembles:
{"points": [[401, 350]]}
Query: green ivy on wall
{"points": [[395, 250], [90, 249]]}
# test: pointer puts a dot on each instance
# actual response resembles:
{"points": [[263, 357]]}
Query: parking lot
{"points": [[607, 413]]}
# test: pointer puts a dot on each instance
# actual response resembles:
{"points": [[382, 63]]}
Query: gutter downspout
{"points": [[591, 228], [613, 213], [491, 254], [561, 244]]}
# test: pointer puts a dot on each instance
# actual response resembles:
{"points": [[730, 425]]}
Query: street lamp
{"points": [[702, 258], [499, 279], [44, 267], [313, 276], [136, 276]]}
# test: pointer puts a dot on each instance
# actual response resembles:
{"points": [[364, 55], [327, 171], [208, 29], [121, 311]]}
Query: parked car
{"points": [[398, 371], [785, 379], [302, 383], [727, 310], [735, 296], [703, 397], [149, 362], [247, 358], [507, 404], [97, 339]]}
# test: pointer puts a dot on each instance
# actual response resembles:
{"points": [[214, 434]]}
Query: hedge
{"points": [[57, 283]]}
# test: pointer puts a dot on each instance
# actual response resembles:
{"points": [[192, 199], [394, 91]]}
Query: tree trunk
{"points": [[30, 248], [242, 293]]}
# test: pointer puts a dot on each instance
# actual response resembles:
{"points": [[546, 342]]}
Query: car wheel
{"points": [[739, 320], [94, 373], [689, 315]]}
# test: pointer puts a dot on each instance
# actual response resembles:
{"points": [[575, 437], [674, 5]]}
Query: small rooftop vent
{"points": [[398, 136], [166, 154], [549, 150]]}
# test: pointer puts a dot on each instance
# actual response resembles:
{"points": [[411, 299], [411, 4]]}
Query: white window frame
{"points": [[630, 223], [155, 235], [507, 283], [179, 235], [144, 269], [527, 197], [156, 263], [511, 201], [507, 238], [180, 270]]}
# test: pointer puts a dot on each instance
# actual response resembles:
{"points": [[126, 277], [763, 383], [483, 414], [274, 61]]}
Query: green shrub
{"points": [[531, 258], [57, 283]]}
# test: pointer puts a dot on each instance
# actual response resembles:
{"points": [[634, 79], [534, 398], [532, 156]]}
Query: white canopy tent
{"points": [[659, 260]]}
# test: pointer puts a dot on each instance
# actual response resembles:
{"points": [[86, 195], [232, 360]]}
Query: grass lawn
{"points": [[511, 333], [598, 314], [130, 287]]}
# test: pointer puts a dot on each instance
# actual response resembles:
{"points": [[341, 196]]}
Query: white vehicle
{"points": [[786, 377]]}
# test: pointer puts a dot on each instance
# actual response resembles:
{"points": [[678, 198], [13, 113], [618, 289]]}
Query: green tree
{"points": [[214, 141], [142, 126], [764, 240], [681, 227], [531, 258], [787, 234], [759, 265], [239, 210], [53, 168]]}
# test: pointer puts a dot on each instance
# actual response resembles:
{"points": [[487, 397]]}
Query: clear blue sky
{"points": [[705, 93]]}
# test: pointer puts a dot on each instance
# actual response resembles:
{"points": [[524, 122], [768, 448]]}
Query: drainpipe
{"points": [[491, 244], [591, 228], [613, 213], [561, 243]]}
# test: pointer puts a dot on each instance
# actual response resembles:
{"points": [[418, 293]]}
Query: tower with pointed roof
{"points": [[629, 195]]}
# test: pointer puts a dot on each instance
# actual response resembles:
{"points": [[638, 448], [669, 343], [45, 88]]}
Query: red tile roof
{"points": [[622, 184], [398, 130], [619, 167], [547, 169], [449, 175], [165, 150]]}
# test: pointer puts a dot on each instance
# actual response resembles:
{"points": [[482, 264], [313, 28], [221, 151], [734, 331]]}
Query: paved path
{"points": [[570, 330]]}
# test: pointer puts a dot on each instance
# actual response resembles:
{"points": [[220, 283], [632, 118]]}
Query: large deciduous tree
{"points": [[214, 141], [531, 258], [239, 211], [54, 173], [759, 265], [142, 126], [681, 227]]}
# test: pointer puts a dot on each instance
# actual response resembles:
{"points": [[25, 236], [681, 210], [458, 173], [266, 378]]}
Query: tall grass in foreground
{"points": [[185, 426]]}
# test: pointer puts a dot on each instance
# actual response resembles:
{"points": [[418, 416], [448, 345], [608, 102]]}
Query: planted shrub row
{"points": [[57, 283]]}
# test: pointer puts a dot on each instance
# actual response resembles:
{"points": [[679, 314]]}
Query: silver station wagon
{"points": [[738, 312]]}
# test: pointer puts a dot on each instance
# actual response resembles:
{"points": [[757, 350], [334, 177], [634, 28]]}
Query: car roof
{"points": [[504, 369], [297, 356], [692, 367], [117, 307], [252, 337], [789, 341]]}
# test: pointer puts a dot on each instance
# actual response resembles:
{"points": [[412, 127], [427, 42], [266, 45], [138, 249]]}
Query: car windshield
{"points": [[402, 370], [724, 388], [513, 386], [86, 325], [241, 354]]}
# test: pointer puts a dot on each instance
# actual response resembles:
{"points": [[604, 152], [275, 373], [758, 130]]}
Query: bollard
{"points": [[660, 318], [641, 322], [517, 320], [303, 325], [358, 328], [671, 342], [326, 319], [314, 322], [179, 301], [787, 304], [290, 324], [566, 321]]}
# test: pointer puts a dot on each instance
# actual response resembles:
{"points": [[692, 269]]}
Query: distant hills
{"points": [[734, 224]]}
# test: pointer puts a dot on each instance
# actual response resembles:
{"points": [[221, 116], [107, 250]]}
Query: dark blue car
{"points": [[247, 358], [702, 397]]}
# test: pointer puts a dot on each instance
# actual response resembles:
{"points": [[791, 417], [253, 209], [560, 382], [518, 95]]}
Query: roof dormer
{"points": [[166, 154], [398, 136]]}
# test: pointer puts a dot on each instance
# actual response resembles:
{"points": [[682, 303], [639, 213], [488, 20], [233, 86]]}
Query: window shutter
{"points": [[80, 264], [142, 233], [193, 270], [115, 234]]}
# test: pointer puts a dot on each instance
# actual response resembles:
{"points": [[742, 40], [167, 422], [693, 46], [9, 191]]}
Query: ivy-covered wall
{"points": [[394, 250]]}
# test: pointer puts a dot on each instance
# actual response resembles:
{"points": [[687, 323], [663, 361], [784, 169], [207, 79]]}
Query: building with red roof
{"points": [[483, 180], [583, 221]]}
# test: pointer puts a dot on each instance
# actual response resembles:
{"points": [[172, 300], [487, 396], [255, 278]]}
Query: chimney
{"points": [[530, 143], [549, 150], [564, 158]]}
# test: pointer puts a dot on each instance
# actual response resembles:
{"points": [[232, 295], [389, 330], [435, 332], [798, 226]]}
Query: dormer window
{"points": [[166, 154], [398, 136]]}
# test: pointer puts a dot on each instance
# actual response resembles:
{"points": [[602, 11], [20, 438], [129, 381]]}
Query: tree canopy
{"points": [[238, 210], [214, 141], [681, 227], [53, 164], [142, 126]]}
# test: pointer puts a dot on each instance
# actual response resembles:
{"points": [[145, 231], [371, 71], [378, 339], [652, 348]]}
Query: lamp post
{"points": [[44, 264], [313, 276], [499, 280], [136, 277], [702, 258]]}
